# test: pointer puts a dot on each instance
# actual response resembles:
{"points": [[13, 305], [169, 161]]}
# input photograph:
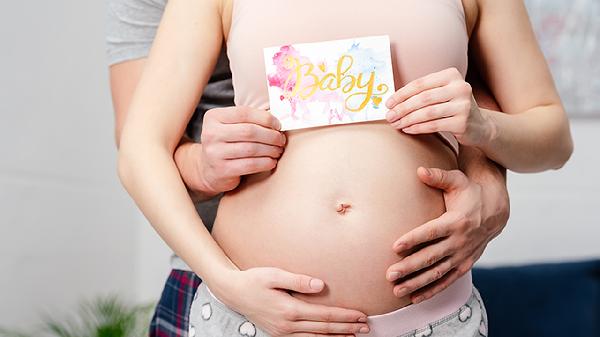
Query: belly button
{"points": [[342, 208]]}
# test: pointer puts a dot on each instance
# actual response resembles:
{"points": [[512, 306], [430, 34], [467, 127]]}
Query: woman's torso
{"points": [[340, 195]]}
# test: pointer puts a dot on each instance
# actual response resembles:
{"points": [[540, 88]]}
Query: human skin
{"points": [[136, 151], [196, 166], [189, 157], [519, 139], [478, 209], [532, 118]]}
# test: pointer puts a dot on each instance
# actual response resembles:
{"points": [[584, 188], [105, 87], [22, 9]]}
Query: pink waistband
{"points": [[416, 316]]}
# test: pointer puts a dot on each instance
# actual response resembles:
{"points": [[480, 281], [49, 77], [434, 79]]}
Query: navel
{"points": [[342, 208]]}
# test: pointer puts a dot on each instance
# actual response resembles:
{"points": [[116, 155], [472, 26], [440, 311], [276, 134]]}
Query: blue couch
{"points": [[542, 300]]}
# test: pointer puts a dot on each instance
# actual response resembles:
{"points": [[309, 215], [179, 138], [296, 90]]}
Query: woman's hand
{"points": [[237, 141], [447, 247], [441, 101], [262, 295]]}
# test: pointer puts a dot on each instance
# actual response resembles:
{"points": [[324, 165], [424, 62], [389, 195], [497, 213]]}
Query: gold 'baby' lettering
{"points": [[307, 82]]}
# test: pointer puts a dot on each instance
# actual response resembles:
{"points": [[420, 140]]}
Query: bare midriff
{"points": [[338, 199]]}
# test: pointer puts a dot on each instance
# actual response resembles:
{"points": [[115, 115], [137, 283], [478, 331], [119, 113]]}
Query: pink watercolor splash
{"points": [[281, 74], [278, 78], [334, 114]]}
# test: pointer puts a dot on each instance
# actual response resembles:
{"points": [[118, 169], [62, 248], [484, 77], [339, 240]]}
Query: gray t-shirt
{"points": [[131, 26]]}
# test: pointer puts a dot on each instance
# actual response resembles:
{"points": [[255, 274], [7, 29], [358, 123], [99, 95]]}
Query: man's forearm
{"points": [[476, 165], [188, 159], [492, 178], [472, 161]]}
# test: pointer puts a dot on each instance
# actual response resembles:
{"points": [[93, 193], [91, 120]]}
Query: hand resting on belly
{"points": [[332, 208]]}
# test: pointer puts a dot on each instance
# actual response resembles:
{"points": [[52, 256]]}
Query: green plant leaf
{"points": [[106, 316]]}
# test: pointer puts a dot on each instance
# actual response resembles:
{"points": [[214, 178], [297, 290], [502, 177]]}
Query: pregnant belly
{"points": [[338, 199]]}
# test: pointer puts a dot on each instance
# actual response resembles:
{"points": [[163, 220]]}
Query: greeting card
{"points": [[332, 82]]}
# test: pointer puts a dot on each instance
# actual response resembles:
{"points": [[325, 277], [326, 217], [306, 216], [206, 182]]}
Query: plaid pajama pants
{"points": [[171, 316]]}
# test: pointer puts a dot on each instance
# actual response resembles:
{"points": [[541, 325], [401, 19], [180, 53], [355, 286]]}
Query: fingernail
{"points": [[389, 115], [362, 319], [316, 284], [401, 292], [390, 103], [277, 124], [418, 299], [364, 329], [400, 246], [283, 138], [392, 276]]}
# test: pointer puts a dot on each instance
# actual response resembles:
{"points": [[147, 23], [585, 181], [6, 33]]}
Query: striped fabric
{"points": [[171, 315]]}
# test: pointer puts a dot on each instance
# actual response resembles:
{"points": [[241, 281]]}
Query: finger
{"points": [[250, 149], [419, 101], [330, 327], [245, 114], [323, 313], [248, 132], [427, 276], [420, 259], [425, 114], [429, 231], [243, 166], [454, 124], [447, 180], [429, 81], [281, 279], [436, 287], [462, 266]]}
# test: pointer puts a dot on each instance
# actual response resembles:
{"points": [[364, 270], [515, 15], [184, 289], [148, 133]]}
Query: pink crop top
{"points": [[426, 36]]}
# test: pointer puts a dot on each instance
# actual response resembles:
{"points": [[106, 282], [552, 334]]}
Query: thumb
{"points": [[296, 282], [442, 179]]}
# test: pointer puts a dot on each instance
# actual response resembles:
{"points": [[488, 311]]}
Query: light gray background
{"points": [[68, 231]]}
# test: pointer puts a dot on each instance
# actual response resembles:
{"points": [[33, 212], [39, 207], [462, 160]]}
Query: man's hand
{"points": [[447, 247], [235, 141]]}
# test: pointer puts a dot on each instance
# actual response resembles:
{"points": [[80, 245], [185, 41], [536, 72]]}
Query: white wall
{"points": [[555, 214], [67, 229]]}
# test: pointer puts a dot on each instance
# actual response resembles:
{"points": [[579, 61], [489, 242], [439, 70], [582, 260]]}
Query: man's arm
{"points": [[484, 171], [124, 77], [492, 179]]}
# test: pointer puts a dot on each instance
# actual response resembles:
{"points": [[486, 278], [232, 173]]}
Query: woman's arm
{"points": [[170, 87], [204, 171], [183, 55], [124, 77], [531, 132], [131, 27]]}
